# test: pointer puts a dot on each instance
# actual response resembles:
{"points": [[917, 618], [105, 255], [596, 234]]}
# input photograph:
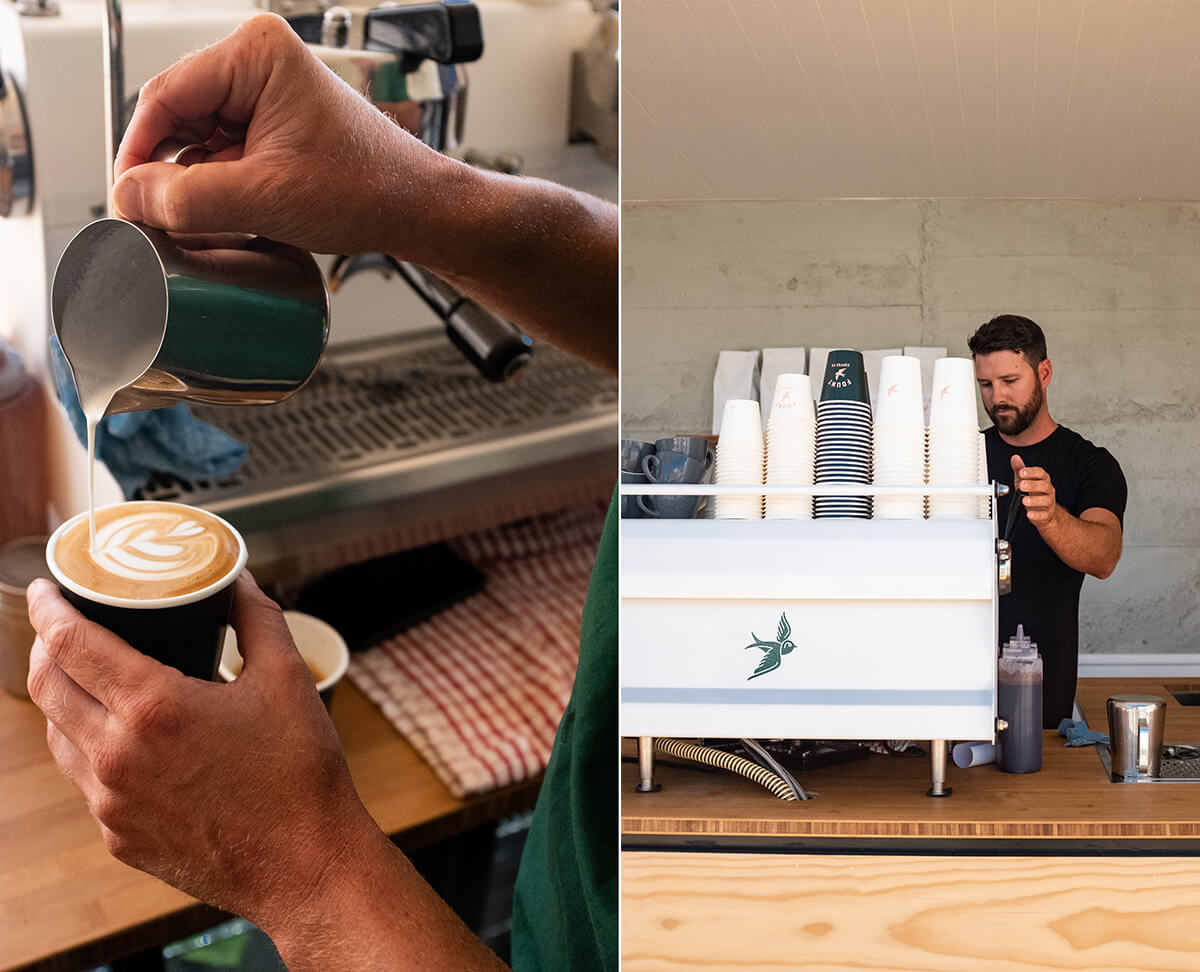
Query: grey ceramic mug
{"points": [[694, 446], [629, 505], [633, 451], [672, 468]]}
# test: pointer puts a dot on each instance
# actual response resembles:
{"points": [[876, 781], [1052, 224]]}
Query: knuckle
{"points": [[38, 684], [116, 843], [65, 638], [110, 766], [176, 206], [152, 715], [148, 715]]}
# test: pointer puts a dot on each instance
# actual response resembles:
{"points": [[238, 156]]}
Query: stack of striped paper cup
{"points": [[899, 440], [843, 435], [791, 446], [953, 437], [741, 455]]}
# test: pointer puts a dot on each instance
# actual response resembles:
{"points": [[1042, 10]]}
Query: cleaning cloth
{"points": [[1077, 733], [133, 445], [479, 689]]}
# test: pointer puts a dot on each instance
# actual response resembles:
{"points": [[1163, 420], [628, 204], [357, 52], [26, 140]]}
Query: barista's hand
{"points": [[1038, 492], [228, 792], [303, 158]]}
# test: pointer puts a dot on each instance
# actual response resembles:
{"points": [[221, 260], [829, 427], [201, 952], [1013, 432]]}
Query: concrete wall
{"points": [[1116, 286]]}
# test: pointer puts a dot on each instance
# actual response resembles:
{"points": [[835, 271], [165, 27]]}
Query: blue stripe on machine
{"points": [[748, 696]]}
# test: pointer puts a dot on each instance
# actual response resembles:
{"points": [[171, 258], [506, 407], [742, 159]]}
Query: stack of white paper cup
{"points": [[791, 446], [953, 437], [899, 437], [741, 455]]}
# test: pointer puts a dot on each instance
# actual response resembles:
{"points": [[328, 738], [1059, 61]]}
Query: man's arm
{"points": [[1090, 543]]}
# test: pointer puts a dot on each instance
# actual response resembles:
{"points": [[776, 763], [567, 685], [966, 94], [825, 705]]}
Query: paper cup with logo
{"points": [[845, 378], [322, 648], [185, 631]]}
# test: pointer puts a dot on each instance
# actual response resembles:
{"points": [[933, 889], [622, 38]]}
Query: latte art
{"points": [[147, 550], [160, 546]]}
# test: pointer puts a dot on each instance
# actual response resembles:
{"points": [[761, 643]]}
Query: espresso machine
{"points": [[397, 416], [889, 627]]}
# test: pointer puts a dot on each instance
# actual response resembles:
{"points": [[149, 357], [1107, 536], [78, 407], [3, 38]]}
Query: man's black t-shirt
{"points": [[1045, 591]]}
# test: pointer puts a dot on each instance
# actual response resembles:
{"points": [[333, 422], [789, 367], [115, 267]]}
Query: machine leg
{"points": [[938, 749], [646, 782]]}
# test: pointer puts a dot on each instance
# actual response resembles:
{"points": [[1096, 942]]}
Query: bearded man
{"points": [[1072, 491]]}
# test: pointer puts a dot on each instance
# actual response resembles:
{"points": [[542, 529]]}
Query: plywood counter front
{"points": [[1056, 869]]}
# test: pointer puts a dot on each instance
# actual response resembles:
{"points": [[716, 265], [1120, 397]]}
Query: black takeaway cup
{"points": [[159, 575]]}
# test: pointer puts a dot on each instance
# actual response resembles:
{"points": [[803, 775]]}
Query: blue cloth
{"points": [[133, 445], [1077, 733]]}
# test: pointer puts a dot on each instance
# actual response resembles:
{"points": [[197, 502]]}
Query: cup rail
{"points": [[813, 489]]}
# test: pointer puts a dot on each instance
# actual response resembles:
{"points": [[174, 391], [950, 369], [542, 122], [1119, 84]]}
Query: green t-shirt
{"points": [[565, 903]]}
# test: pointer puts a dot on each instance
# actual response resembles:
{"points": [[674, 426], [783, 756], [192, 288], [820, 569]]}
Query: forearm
{"points": [[371, 910], [538, 254], [1089, 547]]}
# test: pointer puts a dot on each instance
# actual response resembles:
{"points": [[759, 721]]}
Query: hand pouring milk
{"points": [[147, 320]]}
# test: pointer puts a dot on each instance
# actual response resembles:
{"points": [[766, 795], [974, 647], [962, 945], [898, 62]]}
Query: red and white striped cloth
{"points": [[479, 689]]}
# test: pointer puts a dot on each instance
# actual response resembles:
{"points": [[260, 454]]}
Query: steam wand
{"points": [[497, 348]]}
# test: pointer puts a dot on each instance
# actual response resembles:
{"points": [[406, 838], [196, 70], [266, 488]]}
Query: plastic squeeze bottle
{"points": [[1019, 703]]}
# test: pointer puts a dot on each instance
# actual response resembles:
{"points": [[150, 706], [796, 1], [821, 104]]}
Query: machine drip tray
{"points": [[393, 417], [1180, 764]]}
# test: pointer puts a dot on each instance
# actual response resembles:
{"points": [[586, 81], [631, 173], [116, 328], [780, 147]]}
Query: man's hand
{"points": [[1033, 482], [1089, 543], [228, 792], [300, 156]]}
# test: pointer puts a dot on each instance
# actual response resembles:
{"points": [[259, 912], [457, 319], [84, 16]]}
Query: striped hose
{"points": [[726, 761]]}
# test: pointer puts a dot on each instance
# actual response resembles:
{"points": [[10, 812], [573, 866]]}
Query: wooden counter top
{"points": [[66, 904], [879, 797]]}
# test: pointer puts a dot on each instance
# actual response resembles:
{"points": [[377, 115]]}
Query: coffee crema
{"points": [[146, 550]]}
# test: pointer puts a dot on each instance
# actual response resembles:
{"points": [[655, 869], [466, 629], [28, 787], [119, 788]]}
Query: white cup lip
{"points": [[145, 604]]}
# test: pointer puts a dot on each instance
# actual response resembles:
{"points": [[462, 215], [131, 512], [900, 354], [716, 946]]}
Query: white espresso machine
{"points": [[874, 629]]}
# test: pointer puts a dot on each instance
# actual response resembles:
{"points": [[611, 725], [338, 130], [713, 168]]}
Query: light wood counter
{"points": [[884, 796], [65, 904], [1058, 869]]}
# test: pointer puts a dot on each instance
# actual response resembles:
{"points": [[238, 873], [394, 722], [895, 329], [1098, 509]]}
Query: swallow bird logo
{"points": [[945, 392], [839, 379], [773, 651], [892, 389]]}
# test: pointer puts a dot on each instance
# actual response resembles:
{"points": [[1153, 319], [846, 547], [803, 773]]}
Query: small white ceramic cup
{"points": [[319, 644]]}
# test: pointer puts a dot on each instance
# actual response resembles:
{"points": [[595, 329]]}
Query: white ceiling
{"points": [[825, 99]]}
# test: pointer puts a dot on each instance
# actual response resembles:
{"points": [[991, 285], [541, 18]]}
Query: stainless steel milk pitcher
{"points": [[221, 320], [1135, 731]]}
